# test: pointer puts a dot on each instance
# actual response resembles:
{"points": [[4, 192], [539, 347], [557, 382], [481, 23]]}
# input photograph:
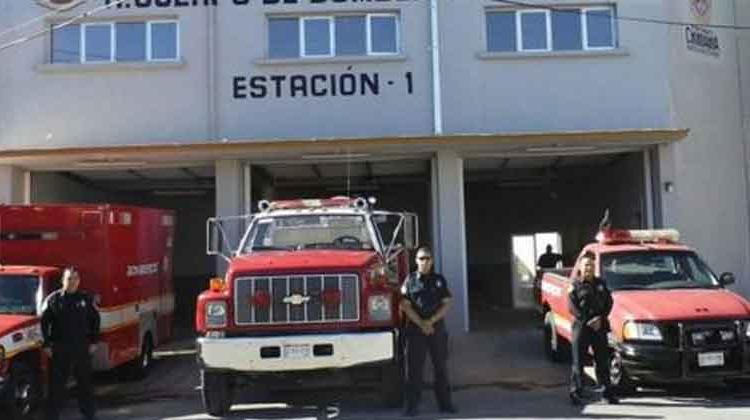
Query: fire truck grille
{"points": [[294, 299]]}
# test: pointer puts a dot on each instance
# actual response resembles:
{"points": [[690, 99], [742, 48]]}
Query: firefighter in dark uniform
{"points": [[70, 326], [590, 303], [426, 300]]}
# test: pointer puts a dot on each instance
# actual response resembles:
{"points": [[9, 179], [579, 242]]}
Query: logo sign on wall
{"points": [[701, 9], [59, 4]]}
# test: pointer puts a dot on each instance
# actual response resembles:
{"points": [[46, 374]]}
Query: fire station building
{"points": [[506, 126]]}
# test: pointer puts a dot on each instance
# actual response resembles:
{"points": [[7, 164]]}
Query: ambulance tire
{"points": [[553, 343], [139, 368], [216, 393], [24, 393], [392, 385]]}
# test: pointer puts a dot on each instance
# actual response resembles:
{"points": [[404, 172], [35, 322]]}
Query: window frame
{"points": [[112, 42], [149, 39], [303, 38], [519, 29], [584, 10], [368, 33], [585, 27]]}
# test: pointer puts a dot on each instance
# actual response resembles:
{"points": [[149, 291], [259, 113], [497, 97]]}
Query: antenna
{"points": [[605, 223], [348, 173]]}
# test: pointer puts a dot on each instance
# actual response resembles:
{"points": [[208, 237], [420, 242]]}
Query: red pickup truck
{"points": [[309, 301], [673, 319]]}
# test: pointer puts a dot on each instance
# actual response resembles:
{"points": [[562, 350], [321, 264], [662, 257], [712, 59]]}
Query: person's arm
{"points": [[574, 304], [94, 320], [445, 305], [47, 322], [407, 309]]}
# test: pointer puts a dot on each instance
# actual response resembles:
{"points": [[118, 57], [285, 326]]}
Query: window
{"points": [[116, 42], [328, 36], [560, 29]]}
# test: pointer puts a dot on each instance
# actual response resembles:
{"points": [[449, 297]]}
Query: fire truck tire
{"points": [[216, 393], [553, 343], [618, 377], [392, 387], [25, 392]]}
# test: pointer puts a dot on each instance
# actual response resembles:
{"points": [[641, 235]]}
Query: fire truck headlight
{"points": [[644, 331], [216, 314], [379, 307]]}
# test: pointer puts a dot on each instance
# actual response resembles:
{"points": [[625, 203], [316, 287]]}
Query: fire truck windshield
{"points": [[318, 231], [656, 270], [18, 294]]}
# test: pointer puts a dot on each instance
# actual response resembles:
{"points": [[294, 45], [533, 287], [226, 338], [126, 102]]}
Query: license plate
{"points": [[711, 359], [296, 351]]}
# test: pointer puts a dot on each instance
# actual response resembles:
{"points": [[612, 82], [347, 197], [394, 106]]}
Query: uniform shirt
{"points": [[70, 320], [589, 299], [425, 292], [549, 260]]}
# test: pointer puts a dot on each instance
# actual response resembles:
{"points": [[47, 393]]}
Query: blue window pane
{"points": [[283, 38], [351, 35], [131, 41], [383, 32], [66, 44], [566, 30], [164, 41], [98, 43], [501, 31], [317, 37], [599, 25], [534, 30]]}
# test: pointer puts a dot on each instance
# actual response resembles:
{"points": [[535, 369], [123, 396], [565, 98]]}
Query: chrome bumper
{"points": [[295, 352]]}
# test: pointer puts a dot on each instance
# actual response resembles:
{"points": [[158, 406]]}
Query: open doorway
{"points": [[530, 253]]}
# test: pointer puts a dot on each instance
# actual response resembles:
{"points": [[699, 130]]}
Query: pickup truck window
{"points": [[309, 232], [655, 270], [18, 294]]}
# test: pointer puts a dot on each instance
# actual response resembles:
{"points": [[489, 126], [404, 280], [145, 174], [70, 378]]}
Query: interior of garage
{"points": [[568, 195], [187, 190], [397, 184]]}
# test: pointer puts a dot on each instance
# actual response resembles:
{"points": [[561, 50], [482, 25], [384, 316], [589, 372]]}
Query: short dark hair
{"points": [[590, 255], [425, 249]]}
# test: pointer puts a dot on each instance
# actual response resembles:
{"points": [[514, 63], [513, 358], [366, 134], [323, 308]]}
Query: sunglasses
{"points": [[424, 258]]}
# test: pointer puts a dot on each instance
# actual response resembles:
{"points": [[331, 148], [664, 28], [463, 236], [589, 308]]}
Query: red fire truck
{"points": [[123, 255], [309, 300], [673, 320]]}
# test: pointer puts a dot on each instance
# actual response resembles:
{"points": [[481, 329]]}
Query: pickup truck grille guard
{"points": [[297, 299], [734, 349]]}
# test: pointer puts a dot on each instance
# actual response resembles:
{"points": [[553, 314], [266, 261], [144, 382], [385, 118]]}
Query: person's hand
{"points": [[427, 327], [595, 323], [92, 348]]}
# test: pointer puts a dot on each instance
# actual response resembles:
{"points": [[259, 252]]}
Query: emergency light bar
{"points": [[334, 202], [613, 236]]}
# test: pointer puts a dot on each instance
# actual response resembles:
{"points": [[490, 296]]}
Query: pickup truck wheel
{"points": [[618, 377], [392, 386], [24, 393], [216, 393], [552, 341]]}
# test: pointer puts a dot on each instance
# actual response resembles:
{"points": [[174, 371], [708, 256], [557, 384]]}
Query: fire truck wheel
{"points": [[618, 377], [216, 393], [392, 387], [25, 391], [553, 343]]}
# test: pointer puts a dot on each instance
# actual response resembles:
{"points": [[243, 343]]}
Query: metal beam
{"points": [[191, 174]]}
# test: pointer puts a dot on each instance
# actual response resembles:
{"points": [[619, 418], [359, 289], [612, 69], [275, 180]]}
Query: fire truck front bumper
{"points": [[296, 352]]}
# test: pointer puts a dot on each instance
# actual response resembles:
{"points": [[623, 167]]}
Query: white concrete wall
{"points": [[709, 201]]}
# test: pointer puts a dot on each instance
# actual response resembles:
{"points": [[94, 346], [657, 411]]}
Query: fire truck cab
{"points": [[309, 300]]}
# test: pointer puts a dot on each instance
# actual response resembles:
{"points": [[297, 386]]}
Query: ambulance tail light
{"points": [[614, 236]]}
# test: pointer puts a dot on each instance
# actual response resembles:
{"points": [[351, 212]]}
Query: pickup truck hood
{"points": [[679, 304], [10, 323], [305, 260]]}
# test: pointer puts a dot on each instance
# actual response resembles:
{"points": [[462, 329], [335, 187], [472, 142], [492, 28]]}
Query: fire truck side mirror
{"points": [[411, 230], [215, 238]]}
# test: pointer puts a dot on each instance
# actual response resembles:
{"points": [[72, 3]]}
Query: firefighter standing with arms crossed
{"points": [[70, 327], [590, 303], [426, 300]]}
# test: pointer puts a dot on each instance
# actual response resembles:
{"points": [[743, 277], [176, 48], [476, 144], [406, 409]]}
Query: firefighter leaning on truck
{"points": [[590, 303], [70, 327]]}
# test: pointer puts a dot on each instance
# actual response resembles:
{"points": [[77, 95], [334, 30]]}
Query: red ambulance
{"points": [[124, 257]]}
